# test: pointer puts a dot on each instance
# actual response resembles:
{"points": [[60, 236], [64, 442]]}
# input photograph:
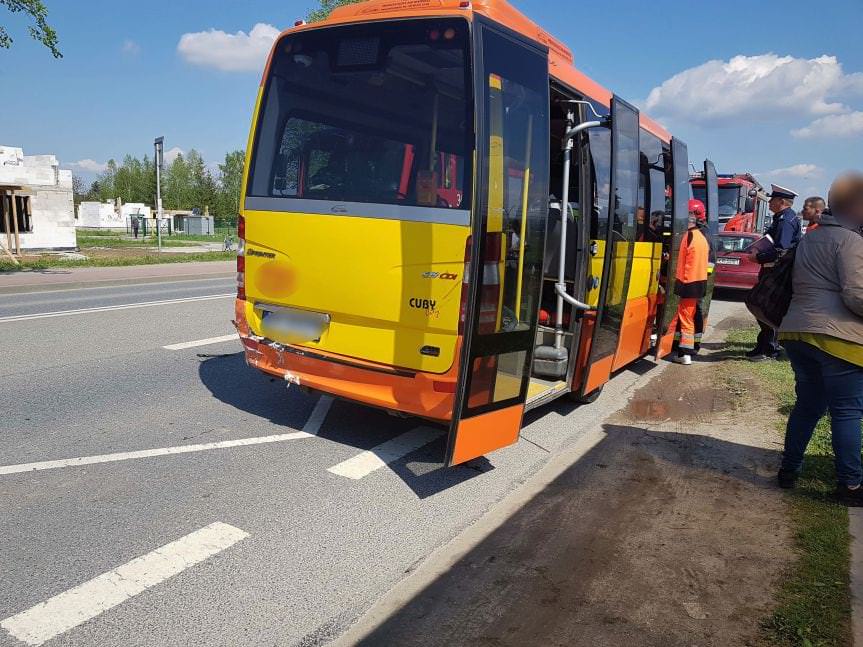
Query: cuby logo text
{"points": [[422, 304]]}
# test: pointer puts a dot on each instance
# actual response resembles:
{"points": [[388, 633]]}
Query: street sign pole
{"points": [[160, 145]]}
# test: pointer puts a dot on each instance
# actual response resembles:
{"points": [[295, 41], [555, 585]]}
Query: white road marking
{"points": [[69, 609], [126, 306], [147, 453], [364, 464], [200, 342], [318, 415]]}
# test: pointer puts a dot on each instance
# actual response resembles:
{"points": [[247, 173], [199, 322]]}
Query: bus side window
{"points": [[651, 189], [600, 176]]}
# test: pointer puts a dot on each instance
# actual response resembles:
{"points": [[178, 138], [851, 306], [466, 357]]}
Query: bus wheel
{"points": [[586, 399]]}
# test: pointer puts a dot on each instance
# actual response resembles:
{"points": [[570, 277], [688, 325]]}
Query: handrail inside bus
{"points": [[560, 286]]}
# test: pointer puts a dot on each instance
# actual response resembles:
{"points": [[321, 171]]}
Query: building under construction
{"points": [[36, 204]]}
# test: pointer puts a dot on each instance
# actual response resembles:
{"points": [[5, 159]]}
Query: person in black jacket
{"points": [[785, 231]]}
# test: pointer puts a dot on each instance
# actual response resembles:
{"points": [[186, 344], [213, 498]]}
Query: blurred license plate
{"points": [[291, 326], [728, 261]]}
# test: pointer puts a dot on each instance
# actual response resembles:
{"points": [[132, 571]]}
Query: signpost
{"points": [[160, 161]]}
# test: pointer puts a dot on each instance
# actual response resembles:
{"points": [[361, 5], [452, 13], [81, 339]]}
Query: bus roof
{"points": [[560, 63]]}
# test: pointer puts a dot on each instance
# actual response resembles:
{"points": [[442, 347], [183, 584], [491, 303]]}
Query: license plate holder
{"points": [[291, 325]]}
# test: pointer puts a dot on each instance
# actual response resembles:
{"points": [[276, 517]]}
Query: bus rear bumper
{"points": [[426, 395]]}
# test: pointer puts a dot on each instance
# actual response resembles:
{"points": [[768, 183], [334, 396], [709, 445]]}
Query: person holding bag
{"points": [[785, 233], [822, 333]]}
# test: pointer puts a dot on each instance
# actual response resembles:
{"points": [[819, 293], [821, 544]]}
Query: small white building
{"points": [[99, 215], [35, 194], [108, 215]]}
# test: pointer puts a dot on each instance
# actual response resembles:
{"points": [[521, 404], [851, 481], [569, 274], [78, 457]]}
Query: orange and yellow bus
{"points": [[442, 217]]}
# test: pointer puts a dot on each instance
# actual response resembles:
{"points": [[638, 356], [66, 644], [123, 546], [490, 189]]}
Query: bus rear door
{"points": [[679, 224], [503, 279]]}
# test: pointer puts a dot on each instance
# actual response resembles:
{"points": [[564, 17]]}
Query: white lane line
{"points": [[318, 415], [147, 453], [126, 306], [200, 342], [364, 464], [69, 609]]}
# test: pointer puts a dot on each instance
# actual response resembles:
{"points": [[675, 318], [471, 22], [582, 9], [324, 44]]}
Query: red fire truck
{"points": [[742, 202]]}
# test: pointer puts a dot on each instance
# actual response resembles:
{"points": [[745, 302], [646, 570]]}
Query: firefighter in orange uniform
{"points": [[691, 281]]}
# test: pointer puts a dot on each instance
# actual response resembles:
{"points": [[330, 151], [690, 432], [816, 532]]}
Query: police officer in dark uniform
{"points": [[785, 231]]}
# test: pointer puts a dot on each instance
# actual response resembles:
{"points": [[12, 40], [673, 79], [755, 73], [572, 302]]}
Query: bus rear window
{"points": [[378, 113]]}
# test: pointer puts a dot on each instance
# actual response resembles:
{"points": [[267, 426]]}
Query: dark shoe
{"points": [[755, 352], [849, 497], [758, 358], [787, 480]]}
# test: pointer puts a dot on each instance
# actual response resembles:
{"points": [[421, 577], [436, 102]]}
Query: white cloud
{"points": [[239, 52], [130, 47], [845, 125], [91, 166], [172, 153], [797, 171], [761, 87]]}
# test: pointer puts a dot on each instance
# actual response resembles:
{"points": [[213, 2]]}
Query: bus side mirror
{"points": [[750, 205]]}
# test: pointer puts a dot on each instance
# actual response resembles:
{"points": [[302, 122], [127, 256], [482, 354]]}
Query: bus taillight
{"points": [[241, 258], [489, 288]]}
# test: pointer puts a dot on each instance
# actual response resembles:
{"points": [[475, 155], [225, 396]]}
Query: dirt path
{"points": [[669, 532]]}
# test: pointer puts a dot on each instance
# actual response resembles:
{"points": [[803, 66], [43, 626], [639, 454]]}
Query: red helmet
{"points": [[696, 208]]}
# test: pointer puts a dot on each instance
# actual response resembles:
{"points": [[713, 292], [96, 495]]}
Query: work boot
{"points": [[686, 360], [847, 496], [787, 479]]}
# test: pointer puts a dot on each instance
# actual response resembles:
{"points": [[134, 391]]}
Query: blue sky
{"points": [[128, 74]]}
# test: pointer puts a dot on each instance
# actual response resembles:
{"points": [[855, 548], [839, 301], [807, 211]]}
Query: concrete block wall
{"points": [[99, 215], [51, 201]]}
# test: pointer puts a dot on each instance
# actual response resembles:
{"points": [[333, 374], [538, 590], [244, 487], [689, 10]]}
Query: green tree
{"points": [[40, 31], [202, 185], [326, 6], [79, 191], [230, 181], [176, 183], [104, 185]]}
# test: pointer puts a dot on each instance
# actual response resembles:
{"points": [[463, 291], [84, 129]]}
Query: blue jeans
{"points": [[825, 382]]}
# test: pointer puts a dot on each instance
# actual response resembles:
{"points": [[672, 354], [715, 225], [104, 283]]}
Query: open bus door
{"points": [[620, 232], [504, 274], [680, 191], [711, 192]]}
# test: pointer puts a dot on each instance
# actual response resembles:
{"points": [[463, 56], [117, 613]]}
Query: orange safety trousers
{"points": [[684, 322]]}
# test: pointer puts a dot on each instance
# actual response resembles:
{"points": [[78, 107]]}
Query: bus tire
{"points": [[593, 396]]}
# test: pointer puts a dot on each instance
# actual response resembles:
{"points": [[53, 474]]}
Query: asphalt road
{"points": [[234, 544]]}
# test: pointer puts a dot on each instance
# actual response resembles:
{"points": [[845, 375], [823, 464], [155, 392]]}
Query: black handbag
{"points": [[770, 299]]}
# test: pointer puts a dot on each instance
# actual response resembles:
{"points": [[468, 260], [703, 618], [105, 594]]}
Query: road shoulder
{"points": [[661, 525]]}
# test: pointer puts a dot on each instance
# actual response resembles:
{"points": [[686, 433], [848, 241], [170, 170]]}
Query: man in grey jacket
{"points": [[823, 335]]}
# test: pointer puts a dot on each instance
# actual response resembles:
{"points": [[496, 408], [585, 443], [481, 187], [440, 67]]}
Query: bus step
{"points": [[549, 361]]}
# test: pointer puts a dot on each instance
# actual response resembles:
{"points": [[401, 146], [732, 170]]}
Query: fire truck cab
{"points": [[742, 202]]}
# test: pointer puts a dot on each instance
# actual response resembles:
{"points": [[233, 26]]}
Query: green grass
{"points": [[148, 259], [110, 238], [85, 242], [814, 607]]}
